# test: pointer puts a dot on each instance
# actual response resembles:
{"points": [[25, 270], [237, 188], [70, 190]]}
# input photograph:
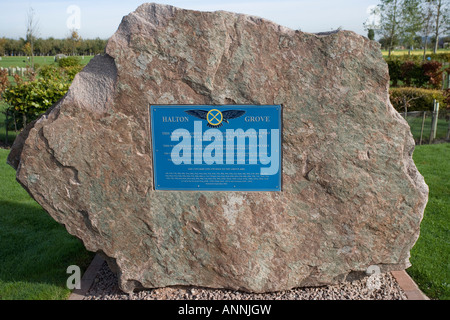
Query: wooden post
{"points": [[436, 121], [433, 120], [423, 124]]}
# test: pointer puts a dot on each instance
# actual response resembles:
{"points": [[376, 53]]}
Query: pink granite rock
{"points": [[351, 194]]}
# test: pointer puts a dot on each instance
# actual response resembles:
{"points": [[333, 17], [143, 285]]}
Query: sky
{"points": [[101, 18]]}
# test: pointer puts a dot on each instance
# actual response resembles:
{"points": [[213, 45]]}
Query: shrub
{"points": [[50, 71], [413, 73], [69, 62], [4, 82], [447, 98], [71, 72], [30, 99], [433, 72], [441, 57], [395, 70], [406, 57], [416, 99]]}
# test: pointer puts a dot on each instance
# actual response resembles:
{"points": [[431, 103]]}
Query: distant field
{"points": [[22, 62], [414, 52]]}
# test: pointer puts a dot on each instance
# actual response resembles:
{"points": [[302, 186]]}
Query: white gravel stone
{"points": [[105, 287]]}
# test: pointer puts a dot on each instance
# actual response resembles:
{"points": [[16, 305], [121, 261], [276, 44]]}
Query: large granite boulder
{"points": [[351, 194]]}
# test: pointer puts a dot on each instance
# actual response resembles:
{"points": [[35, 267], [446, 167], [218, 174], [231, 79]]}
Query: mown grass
{"points": [[415, 123], [430, 257], [23, 62], [413, 52], [35, 250]]}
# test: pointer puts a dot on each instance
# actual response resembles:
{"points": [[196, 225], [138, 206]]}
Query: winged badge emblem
{"points": [[214, 117]]}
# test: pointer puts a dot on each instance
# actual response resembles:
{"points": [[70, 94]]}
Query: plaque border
{"points": [[279, 188]]}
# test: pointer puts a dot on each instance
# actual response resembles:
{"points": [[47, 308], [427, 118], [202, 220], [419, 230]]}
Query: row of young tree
{"points": [[33, 45], [52, 46], [407, 22]]}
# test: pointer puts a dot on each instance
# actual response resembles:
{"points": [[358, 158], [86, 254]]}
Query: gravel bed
{"points": [[105, 287]]}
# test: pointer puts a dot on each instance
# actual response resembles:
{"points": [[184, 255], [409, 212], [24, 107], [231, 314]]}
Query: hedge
{"points": [[413, 73], [440, 57], [416, 99]]}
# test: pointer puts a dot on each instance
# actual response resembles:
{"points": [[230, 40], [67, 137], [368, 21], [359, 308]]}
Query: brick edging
{"points": [[408, 285], [405, 282], [88, 279]]}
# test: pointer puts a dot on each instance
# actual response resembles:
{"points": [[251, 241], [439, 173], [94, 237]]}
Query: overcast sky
{"points": [[101, 18]]}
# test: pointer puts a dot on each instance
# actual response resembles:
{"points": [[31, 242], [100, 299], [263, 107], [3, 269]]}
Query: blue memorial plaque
{"points": [[216, 148]]}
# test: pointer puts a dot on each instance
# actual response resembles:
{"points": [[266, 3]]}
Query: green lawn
{"points": [[22, 62], [35, 251], [430, 256], [413, 52], [415, 124]]}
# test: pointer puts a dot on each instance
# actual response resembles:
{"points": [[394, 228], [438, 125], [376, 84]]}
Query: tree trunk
{"points": [[32, 55], [425, 48], [438, 17]]}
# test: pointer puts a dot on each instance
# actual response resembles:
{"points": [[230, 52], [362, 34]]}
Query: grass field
{"points": [[415, 123], [22, 62], [35, 251], [414, 52], [430, 257]]}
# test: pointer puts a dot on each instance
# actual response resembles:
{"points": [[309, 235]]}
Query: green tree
{"points": [[441, 15], [427, 24], [74, 41], [410, 22], [2, 46], [32, 31], [390, 21], [371, 34]]}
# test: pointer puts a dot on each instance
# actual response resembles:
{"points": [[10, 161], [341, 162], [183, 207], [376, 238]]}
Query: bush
{"points": [[395, 70], [433, 73], [403, 58], [29, 99], [71, 72], [4, 82], [69, 62], [416, 99], [440, 57], [50, 71], [414, 73]]}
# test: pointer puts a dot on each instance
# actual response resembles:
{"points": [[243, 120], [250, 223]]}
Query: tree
{"points": [[371, 34], [32, 31], [410, 22], [427, 24], [74, 41], [390, 19], [440, 9], [2, 46], [27, 49]]}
